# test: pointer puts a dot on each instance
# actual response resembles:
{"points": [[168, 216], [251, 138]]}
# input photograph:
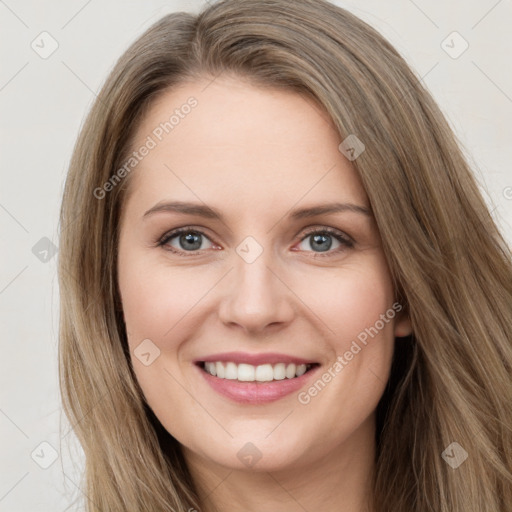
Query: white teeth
{"points": [[264, 372], [211, 368], [261, 373], [279, 371], [219, 368], [290, 371], [231, 371], [246, 372], [301, 370]]}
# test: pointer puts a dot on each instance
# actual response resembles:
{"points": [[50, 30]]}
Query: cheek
{"points": [[157, 297], [356, 306], [352, 300], [160, 301]]}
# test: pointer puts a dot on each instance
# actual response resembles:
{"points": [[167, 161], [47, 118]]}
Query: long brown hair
{"points": [[451, 381]]}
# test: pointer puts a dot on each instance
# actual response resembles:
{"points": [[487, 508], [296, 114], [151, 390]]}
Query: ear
{"points": [[403, 325]]}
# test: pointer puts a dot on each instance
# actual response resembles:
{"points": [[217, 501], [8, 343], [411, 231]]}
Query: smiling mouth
{"points": [[250, 373]]}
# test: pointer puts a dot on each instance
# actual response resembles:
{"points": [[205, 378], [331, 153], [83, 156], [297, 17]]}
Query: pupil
{"points": [[324, 242], [191, 241]]}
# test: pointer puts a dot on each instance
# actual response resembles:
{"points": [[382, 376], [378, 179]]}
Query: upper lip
{"points": [[253, 359]]}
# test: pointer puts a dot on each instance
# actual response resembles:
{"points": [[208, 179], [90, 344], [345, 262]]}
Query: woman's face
{"points": [[278, 265]]}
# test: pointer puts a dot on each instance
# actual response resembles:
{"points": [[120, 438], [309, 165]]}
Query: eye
{"points": [[185, 240], [321, 240], [189, 240]]}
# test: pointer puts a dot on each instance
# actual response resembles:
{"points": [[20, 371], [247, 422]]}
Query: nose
{"points": [[255, 296]]}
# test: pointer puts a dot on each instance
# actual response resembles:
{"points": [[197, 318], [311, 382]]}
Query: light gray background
{"points": [[42, 105]]}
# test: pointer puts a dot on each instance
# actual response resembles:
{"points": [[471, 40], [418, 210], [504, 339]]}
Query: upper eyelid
{"points": [[307, 231]]}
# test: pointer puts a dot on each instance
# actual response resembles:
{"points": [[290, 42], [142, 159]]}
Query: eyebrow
{"points": [[210, 213]]}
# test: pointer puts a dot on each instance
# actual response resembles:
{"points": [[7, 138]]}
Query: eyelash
{"points": [[344, 240]]}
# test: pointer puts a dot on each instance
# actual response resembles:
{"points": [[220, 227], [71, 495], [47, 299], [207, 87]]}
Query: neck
{"points": [[340, 481]]}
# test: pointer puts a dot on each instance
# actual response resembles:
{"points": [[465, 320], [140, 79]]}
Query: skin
{"points": [[255, 155]]}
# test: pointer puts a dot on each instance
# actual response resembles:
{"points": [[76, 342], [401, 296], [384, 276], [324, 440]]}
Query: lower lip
{"points": [[257, 392]]}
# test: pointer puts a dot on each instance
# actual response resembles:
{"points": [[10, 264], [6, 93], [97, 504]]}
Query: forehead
{"points": [[239, 141]]}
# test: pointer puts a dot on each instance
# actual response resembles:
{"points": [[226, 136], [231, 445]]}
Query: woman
{"points": [[280, 286]]}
